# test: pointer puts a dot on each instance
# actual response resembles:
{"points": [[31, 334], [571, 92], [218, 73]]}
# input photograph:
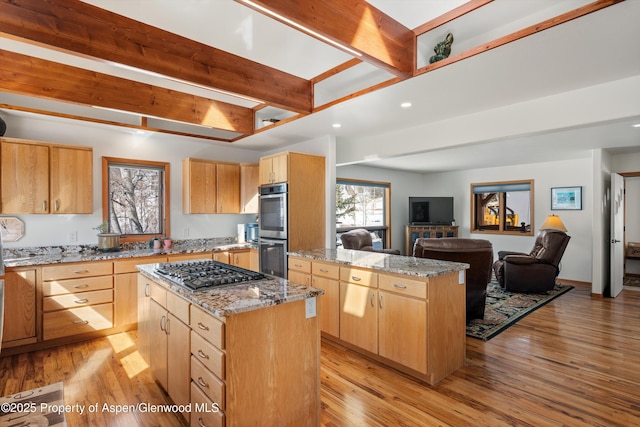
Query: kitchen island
{"points": [[405, 312], [237, 354]]}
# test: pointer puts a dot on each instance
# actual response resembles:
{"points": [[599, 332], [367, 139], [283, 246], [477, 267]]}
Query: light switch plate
{"points": [[310, 307]]}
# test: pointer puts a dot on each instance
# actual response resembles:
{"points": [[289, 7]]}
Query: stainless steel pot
{"points": [[108, 242]]}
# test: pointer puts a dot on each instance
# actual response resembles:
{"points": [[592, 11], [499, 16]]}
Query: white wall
{"points": [[576, 263], [45, 230]]}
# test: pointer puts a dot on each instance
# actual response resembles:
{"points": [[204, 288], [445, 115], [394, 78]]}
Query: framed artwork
{"points": [[566, 198]]}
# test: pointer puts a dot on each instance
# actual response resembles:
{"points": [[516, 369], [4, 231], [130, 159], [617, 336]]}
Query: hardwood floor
{"points": [[573, 362]]}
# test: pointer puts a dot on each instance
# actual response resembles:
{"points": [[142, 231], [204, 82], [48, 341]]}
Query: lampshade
{"points": [[553, 222]]}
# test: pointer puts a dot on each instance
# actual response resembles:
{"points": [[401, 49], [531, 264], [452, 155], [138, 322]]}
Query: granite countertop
{"points": [[399, 264], [227, 300], [41, 255]]}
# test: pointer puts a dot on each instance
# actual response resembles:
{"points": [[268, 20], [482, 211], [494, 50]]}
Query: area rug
{"points": [[504, 308], [43, 406]]}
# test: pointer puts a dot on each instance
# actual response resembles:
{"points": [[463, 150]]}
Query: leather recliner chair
{"points": [[536, 271], [360, 239], [477, 253]]}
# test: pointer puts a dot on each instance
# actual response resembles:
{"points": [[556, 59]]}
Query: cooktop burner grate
{"points": [[205, 273]]}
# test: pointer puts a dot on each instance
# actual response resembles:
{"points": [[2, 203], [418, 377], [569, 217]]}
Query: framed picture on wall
{"points": [[566, 198]]}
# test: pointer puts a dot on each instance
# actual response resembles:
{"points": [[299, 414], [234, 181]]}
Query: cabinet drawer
{"points": [[178, 307], [331, 271], [203, 410], [211, 385], [402, 285], [359, 277], [129, 265], [158, 294], [299, 264], [68, 286], [80, 299], [71, 271], [208, 355], [77, 321], [207, 326]]}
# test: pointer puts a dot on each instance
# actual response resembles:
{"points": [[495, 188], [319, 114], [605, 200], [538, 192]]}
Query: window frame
{"points": [[384, 229], [501, 200], [166, 208]]}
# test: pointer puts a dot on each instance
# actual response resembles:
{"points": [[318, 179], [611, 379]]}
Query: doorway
{"points": [[632, 230]]}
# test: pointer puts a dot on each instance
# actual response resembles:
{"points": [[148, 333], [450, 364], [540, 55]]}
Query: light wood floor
{"points": [[573, 362]]}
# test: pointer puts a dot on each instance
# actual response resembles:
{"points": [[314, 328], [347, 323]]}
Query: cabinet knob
{"points": [[355, 278], [81, 301], [80, 322], [203, 327], [82, 286], [202, 355], [201, 383], [400, 286]]}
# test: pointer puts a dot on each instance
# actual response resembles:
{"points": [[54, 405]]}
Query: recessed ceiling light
{"points": [[405, 105], [336, 125], [637, 125]]}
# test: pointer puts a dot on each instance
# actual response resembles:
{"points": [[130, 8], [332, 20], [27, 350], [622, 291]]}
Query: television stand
{"points": [[413, 232]]}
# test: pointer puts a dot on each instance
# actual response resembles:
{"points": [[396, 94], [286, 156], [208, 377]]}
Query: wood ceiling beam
{"points": [[30, 76], [381, 40], [80, 28]]}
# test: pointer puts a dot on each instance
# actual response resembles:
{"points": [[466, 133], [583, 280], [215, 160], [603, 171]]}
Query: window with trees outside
{"points": [[502, 207], [135, 198], [364, 204]]}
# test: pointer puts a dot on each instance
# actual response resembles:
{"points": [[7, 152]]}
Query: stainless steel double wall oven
{"points": [[273, 229]]}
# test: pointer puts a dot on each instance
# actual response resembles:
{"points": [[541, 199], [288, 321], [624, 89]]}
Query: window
{"points": [[135, 199], [502, 207], [364, 204]]}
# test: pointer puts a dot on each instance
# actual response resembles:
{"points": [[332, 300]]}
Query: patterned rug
{"points": [[43, 406], [631, 281], [504, 308]]}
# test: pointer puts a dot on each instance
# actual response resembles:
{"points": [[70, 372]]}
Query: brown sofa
{"points": [[477, 253], [360, 239], [535, 271]]}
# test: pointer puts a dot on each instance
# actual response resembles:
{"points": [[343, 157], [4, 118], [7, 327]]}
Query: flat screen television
{"points": [[431, 210]]}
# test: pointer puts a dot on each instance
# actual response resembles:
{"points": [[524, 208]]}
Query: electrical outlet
{"points": [[73, 236], [185, 232]]}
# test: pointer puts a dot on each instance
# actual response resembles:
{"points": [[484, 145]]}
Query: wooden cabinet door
{"points": [[125, 295], [254, 260], [280, 168], [71, 178], [299, 277], [402, 330], [158, 340], [359, 316], [178, 360], [249, 183], [19, 306], [25, 178], [228, 191], [198, 186], [328, 305], [221, 256], [144, 318], [241, 259], [265, 169]]}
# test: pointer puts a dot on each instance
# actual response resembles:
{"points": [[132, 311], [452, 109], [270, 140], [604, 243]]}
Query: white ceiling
{"points": [[595, 49]]}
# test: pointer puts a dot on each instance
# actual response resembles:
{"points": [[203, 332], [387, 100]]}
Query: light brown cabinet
{"points": [[416, 324], [39, 178], [359, 308], [19, 307], [305, 178], [170, 337], [77, 298], [249, 183], [274, 168], [210, 187]]}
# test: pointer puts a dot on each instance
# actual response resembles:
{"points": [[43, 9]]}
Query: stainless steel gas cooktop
{"points": [[205, 273]]}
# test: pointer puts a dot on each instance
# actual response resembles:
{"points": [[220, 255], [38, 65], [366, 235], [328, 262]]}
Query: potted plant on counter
{"points": [[107, 242]]}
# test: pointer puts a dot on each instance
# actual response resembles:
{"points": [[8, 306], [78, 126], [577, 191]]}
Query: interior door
{"points": [[617, 234]]}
